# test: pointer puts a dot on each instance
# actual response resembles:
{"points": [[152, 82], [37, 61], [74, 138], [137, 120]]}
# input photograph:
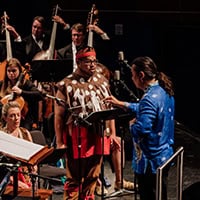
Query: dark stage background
{"points": [[167, 30]]}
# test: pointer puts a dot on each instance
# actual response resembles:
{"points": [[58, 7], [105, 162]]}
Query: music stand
{"points": [[116, 113], [51, 70], [124, 118], [6, 179], [101, 116], [38, 158], [25, 193]]}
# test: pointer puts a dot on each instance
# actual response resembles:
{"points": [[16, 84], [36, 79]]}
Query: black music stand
{"points": [[124, 117], [51, 70], [103, 115], [100, 117], [33, 180], [13, 170], [116, 113], [8, 171]]}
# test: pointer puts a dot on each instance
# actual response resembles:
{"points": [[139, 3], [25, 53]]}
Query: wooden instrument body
{"points": [[11, 97], [2, 69]]}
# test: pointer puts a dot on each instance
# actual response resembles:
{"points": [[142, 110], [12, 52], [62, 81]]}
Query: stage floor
{"points": [[191, 173]]}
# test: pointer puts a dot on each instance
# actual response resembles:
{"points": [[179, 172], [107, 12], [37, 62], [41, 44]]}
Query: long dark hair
{"points": [[148, 66], [12, 62]]}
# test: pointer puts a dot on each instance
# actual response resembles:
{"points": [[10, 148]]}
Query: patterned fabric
{"points": [[153, 131], [84, 97]]}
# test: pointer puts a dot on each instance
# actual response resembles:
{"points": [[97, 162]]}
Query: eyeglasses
{"points": [[90, 62]]}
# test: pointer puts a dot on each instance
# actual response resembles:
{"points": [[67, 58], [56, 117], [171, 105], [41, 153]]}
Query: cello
{"points": [[19, 99], [8, 46]]}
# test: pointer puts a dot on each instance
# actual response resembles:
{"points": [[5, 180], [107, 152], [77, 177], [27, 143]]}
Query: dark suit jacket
{"points": [[28, 48], [103, 49], [65, 52]]}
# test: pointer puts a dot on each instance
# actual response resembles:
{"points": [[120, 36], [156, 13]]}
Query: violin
{"points": [[19, 99], [92, 20]]}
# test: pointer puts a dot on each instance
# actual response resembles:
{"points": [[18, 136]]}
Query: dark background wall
{"points": [[167, 30]]}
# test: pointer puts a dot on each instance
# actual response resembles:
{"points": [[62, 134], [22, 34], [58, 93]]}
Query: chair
{"points": [[47, 168]]}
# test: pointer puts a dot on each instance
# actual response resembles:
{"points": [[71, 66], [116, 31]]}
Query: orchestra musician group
{"points": [[37, 44], [35, 106]]}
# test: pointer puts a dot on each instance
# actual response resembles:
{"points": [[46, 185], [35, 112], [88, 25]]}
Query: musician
{"points": [[23, 91], [82, 90], [153, 127], [11, 116], [79, 39], [38, 40]]}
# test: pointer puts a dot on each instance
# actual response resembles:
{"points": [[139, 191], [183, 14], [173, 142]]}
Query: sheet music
{"points": [[18, 147]]}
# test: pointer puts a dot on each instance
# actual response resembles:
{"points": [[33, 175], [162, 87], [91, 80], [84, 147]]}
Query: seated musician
{"points": [[16, 85], [11, 117]]}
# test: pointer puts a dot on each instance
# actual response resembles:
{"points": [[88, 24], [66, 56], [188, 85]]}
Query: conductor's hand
{"points": [[114, 101]]}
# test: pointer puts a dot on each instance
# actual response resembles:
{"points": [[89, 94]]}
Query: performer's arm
{"points": [[59, 112], [115, 143]]}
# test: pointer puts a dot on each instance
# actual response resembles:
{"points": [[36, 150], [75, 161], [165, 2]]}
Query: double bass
{"points": [[49, 53], [45, 108], [92, 19], [8, 46]]}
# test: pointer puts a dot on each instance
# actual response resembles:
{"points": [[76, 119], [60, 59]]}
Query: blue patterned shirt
{"points": [[153, 131]]}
